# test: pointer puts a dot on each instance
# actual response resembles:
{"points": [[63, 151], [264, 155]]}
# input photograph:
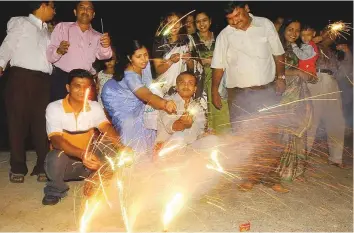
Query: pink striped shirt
{"points": [[84, 47]]}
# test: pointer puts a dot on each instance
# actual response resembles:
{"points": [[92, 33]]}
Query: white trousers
{"points": [[330, 112]]}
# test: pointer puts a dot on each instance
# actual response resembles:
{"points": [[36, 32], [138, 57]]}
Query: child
{"points": [[188, 124], [308, 52], [105, 75]]}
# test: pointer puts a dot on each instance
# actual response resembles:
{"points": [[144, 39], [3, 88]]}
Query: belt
{"points": [[326, 71], [256, 87]]}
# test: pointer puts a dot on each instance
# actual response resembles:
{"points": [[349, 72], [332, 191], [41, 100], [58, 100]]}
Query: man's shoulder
{"points": [[95, 106], [262, 21], [55, 107], [17, 20]]}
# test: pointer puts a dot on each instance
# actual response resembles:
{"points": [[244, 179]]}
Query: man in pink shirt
{"points": [[75, 45]]}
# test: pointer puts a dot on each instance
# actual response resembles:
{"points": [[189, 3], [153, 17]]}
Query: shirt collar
{"points": [[36, 21], [89, 29], [67, 107], [179, 98]]}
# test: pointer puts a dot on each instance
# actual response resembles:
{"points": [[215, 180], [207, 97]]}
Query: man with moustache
{"points": [[27, 88], [76, 45], [250, 52]]}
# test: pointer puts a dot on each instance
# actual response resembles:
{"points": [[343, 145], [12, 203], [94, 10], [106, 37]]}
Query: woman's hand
{"points": [[170, 107], [175, 57]]}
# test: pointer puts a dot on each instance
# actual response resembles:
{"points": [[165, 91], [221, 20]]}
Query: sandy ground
{"points": [[323, 202]]}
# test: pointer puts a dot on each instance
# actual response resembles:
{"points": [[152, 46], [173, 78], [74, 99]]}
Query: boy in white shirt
{"points": [[188, 124]]}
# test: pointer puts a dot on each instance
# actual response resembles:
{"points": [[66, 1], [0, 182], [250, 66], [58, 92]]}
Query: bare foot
{"points": [[246, 186], [279, 188]]}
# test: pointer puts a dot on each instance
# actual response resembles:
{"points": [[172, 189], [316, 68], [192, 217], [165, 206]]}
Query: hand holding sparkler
{"points": [[170, 107], [63, 47], [105, 40], [175, 57], [343, 47], [91, 161], [187, 120]]}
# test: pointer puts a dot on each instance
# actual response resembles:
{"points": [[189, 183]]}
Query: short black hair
{"points": [[79, 73], [232, 5], [306, 27], [78, 3], [34, 5], [188, 73]]}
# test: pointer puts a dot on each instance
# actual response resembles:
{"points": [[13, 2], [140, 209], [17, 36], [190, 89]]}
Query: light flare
{"points": [[87, 215], [172, 209]]}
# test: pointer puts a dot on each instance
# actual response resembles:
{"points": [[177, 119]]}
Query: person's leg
{"points": [[39, 100], [16, 100], [318, 108], [59, 168], [334, 122], [58, 81]]}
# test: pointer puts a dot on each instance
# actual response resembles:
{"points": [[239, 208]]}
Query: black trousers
{"points": [[58, 81], [26, 99]]}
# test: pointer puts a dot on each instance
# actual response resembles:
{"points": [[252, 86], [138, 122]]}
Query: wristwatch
{"points": [[281, 77]]}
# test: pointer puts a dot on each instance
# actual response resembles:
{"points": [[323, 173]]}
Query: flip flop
{"points": [[42, 177], [16, 178]]}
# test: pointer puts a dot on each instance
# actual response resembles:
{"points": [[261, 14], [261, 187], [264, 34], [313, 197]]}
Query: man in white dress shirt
{"points": [[250, 52], [27, 90]]}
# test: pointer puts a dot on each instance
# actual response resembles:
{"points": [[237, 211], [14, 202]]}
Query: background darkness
{"points": [[139, 20]]}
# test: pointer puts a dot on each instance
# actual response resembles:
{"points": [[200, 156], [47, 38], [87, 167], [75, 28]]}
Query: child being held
{"points": [[308, 51], [188, 124]]}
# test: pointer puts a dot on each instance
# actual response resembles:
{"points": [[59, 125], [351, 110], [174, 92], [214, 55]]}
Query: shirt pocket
{"points": [[260, 47]]}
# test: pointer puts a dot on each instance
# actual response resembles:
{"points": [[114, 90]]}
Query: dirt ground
{"points": [[323, 202]]}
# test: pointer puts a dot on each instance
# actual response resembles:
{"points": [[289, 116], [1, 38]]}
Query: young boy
{"points": [[189, 123], [308, 52]]}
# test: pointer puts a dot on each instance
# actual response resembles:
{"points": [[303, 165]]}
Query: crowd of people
{"points": [[205, 85]]}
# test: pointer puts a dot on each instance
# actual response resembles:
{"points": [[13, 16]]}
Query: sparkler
{"points": [[87, 92], [102, 26], [172, 208], [172, 25], [87, 215], [338, 29]]}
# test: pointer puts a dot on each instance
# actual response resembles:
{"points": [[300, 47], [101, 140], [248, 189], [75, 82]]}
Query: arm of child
{"points": [[305, 52]]}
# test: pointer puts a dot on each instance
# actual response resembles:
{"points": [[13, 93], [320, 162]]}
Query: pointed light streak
{"points": [[172, 209], [122, 206], [166, 150], [87, 92], [172, 25], [216, 165], [300, 100], [87, 215]]}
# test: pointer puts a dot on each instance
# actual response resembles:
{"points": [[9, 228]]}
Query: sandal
{"points": [[280, 189], [42, 177], [340, 165], [16, 178]]}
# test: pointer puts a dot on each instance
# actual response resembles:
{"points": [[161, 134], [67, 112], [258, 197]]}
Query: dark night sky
{"points": [[139, 20]]}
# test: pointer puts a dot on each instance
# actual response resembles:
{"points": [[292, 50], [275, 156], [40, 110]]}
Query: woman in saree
{"points": [[297, 108], [125, 100], [203, 44]]}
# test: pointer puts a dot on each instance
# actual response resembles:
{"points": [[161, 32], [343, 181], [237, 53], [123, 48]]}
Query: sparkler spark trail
{"points": [[172, 25], [87, 215], [217, 167], [87, 92], [172, 208], [122, 206], [338, 29], [304, 99]]}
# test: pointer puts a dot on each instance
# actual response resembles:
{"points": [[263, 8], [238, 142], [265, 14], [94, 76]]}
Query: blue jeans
{"points": [[59, 168]]}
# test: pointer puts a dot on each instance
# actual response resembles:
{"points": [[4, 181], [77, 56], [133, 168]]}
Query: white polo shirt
{"points": [[60, 119], [247, 56]]}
